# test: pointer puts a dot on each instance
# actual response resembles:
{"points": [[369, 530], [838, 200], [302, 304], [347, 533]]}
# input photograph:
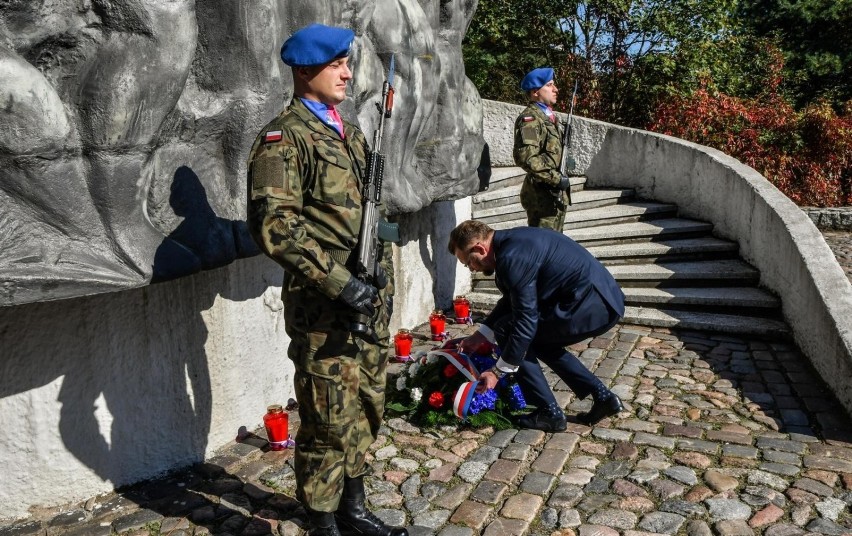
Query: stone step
{"points": [[514, 215], [710, 273], [501, 176], [673, 272], [674, 318], [642, 252], [640, 231], [749, 297], [483, 300], [725, 272], [621, 213], [694, 320], [505, 177], [497, 196]]}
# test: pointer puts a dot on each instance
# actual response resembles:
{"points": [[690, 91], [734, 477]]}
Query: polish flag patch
{"points": [[272, 135], [528, 118]]}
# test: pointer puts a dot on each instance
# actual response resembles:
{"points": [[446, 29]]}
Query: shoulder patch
{"points": [[528, 118], [272, 135]]}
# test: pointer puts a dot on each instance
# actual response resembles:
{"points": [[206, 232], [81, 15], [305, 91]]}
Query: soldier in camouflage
{"points": [[538, 150], [305, 176]]}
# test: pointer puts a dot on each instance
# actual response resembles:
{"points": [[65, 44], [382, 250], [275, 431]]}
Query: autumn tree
{"points": [[626, 53], [507, 39], [815, 37]]}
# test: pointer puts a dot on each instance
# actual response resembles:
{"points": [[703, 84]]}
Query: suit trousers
{"points": [[551, 351]]}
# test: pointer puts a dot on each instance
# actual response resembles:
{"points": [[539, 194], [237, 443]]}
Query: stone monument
{"points": [[125, 124]]}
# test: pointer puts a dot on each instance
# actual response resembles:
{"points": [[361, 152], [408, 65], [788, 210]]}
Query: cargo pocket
{"points": [[336, 183], [330, 387]]}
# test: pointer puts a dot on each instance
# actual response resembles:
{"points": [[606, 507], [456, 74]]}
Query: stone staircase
{"points": [[673, 271]]}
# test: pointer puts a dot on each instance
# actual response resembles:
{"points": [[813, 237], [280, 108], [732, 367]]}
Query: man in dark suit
{"points": [[554, 294]]}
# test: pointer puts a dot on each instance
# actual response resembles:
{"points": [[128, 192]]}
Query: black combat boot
{"points": [[353, 517], [322, 524], [550, 418]]}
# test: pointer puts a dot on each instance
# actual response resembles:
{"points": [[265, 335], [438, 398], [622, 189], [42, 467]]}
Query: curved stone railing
{"points": [[774, 235]]}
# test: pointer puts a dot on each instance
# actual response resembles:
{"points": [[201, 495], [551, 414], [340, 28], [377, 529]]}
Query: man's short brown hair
{"points": [[466, 233]]}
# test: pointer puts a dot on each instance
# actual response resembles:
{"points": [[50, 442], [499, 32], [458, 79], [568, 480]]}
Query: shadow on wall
{"points": [[430, 228], [129, 370], [202, 240], [483, 171]]}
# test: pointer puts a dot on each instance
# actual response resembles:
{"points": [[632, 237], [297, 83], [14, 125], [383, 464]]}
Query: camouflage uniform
{"points": [[305, 213], [538, 150]]}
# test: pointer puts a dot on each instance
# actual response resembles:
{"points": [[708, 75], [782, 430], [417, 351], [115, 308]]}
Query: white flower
{"points": [[416, 394], [431, 358], [413, 368], [400, 383]]}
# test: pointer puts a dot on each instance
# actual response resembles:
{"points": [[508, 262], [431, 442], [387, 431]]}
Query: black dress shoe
{"points": [[546, 419], [601, 410]]}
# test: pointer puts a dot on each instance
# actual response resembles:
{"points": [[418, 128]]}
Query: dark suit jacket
{"points": [[552, 287]]}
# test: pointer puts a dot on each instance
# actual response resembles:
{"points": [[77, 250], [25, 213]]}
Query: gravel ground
{"points": [[840, 243]]}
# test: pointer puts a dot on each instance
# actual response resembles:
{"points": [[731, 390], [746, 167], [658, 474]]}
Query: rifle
{"points": [[568, 162], [373, 226]]}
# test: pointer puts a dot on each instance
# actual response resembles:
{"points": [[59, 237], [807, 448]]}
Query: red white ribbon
{"points": [[460, 361]]}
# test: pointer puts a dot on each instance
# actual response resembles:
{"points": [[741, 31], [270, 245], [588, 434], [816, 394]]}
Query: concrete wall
{"points": [[427, 276], [107, 390], [773, 233]]}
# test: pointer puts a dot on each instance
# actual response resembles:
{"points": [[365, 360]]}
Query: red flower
{"points": [[450, 370], [436, 400]]}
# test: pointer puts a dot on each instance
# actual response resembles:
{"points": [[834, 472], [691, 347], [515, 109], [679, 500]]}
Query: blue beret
{"points": [[537, 78], [316, 44]]}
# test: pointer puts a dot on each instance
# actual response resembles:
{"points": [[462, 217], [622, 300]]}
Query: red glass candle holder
{"points": [[438, 325], [276, 423], [402, 345], [461, 306]]}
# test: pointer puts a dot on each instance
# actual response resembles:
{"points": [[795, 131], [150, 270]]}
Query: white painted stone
{"points": [[106, 390]]}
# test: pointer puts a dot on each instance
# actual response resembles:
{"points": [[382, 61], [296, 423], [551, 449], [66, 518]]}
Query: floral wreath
{"points": [[439, 387]]}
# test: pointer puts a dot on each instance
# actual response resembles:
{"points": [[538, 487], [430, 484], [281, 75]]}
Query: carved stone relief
{"points": [[125, 124]]}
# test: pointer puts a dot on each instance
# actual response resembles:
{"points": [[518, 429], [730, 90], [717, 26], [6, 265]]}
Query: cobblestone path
{"points": [[720, 436], [840, 243]]}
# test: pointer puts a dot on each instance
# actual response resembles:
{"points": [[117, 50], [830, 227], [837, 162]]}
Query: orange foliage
{"points": [[806, 154]]}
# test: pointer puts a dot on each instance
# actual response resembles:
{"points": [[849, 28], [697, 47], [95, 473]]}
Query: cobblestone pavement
{"points": [[720, 436], [840, 243]]}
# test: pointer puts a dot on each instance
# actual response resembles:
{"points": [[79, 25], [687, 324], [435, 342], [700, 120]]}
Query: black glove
{"points": [[359, 296], [564, 183], [381, 278]]}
